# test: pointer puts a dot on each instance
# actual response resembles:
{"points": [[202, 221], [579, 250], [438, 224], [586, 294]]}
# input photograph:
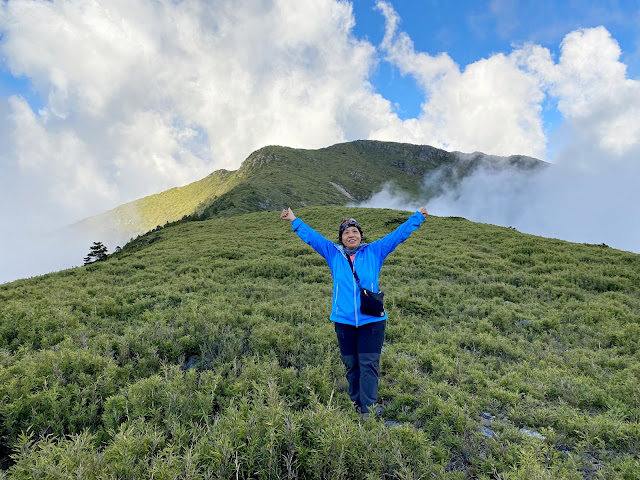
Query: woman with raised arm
{"points": [[355, 265]]}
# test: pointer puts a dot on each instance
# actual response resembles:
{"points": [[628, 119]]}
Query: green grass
{"points": [[539, 333], [149, 212]]}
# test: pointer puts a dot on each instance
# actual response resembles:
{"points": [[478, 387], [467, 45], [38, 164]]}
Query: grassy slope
{"points": [[274, 176], [539, 333], [147, 213]]}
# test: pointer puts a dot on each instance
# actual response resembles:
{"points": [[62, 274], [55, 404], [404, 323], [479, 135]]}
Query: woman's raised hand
{"points": [[423, 211], [287, 214]]}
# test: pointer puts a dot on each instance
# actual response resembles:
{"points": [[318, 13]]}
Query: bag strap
{"points": [[353, 268]]}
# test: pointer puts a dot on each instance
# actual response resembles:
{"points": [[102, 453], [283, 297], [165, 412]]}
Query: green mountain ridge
{"points": [[274, 177]]}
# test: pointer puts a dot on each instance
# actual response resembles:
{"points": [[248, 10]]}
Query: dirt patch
{"points": [[341, 189]]}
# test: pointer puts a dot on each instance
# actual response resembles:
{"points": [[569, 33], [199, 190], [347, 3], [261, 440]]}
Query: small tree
{"points": [[97, 253]]}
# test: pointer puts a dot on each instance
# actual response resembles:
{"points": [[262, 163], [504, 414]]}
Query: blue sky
{"points": [[469, 30], [102, 103], [12, 85]]}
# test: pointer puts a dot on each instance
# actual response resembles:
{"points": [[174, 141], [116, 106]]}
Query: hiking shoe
{"points": [[375, 410]]}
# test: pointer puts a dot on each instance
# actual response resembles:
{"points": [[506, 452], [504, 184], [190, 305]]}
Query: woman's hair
{"points": [[346, 223]]}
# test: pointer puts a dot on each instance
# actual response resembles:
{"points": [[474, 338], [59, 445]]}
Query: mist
{"points": [[33, 252], [583, 198]]}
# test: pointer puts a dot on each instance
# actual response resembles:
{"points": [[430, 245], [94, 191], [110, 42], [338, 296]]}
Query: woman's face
{"points": [[351, 238]]}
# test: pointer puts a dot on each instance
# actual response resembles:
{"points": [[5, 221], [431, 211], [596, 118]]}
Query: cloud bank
{"points": [[138, 96], [589, 194], [559, 202]]}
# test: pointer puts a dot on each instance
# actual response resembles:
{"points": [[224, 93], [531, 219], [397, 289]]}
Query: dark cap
{"points": [[346, 223]]}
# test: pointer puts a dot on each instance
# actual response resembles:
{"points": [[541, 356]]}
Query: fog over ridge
{"points": [[581, 199]]}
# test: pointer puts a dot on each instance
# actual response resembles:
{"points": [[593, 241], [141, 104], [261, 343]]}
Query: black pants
{"points": [[360, 349]]}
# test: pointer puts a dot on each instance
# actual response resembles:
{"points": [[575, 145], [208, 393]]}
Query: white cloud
{"points": [[150, 146], [492, 106], [241, 74], [589, 82], [140, 96], [57, 162], [590, 193], [132, 79]]}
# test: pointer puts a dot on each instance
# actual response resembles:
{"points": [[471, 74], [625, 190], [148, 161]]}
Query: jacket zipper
{"points": [[355, 292], [355, 300]]}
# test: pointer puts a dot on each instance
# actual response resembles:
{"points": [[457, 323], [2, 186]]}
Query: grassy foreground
{"points": [[203, 350]]}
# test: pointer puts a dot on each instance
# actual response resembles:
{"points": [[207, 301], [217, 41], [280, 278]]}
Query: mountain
{"points": [[274, 177]]}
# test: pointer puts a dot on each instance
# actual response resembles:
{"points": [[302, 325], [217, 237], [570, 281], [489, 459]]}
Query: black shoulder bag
{"points": [[370, 302]]}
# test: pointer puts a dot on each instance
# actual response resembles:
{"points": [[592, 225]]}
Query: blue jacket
{"points": [[367, 262]]}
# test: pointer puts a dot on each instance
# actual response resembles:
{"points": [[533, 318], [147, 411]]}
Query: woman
{"points": [[360, 336]]}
